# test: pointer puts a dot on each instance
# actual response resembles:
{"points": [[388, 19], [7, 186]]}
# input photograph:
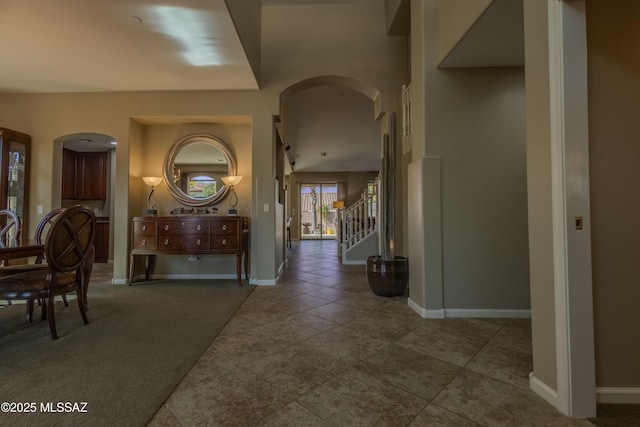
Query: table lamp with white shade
{"points": [[233, 202], [152, 181]]}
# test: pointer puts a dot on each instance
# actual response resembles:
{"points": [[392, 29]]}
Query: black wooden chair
{"points": [[41, 231], [69, 252], [10, 226], [10, 229]]}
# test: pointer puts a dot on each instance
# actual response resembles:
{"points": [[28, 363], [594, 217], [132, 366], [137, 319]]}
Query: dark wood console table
{"points": [[190, 235]]}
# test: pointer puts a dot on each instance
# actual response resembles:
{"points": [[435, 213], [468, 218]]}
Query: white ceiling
{"points": [[116, 45]]}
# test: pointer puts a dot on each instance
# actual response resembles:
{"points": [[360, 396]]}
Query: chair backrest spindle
{"points": [[10, 226]]}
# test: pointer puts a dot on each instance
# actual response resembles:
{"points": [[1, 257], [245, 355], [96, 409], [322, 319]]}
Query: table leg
{"points": [[132, 264], [146, 267], [239, 267], [88, 269], [246, 264]]}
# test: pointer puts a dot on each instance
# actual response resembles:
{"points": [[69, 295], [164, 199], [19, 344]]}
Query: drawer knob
{"points": [[166, 227], [199, 227], [224, 241], [144, 227], [198, 242], [224, 226], [144, 242], [166, 242]]}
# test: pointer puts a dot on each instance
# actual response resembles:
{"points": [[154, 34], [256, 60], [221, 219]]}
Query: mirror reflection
{"points": [[197, 170], [194, 167]]}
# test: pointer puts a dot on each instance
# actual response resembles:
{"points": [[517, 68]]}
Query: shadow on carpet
{"points": [[140, 343], [617, 415]]}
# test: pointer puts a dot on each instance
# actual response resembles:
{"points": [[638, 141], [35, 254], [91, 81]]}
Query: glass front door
{"points": [[317, 214]]}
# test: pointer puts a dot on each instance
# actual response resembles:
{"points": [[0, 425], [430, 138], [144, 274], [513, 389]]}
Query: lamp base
{"points": [[152, 212], [233, 212]]}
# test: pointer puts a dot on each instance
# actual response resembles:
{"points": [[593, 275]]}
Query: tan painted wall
{"points": [[473, 130], [613, 37], [414, 221], [539, 192]]}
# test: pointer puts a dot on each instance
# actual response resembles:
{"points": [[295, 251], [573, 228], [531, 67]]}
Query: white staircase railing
{"points": [[357, 221]]}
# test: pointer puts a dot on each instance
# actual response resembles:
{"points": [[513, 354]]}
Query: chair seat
{"points": [[34, 285]]}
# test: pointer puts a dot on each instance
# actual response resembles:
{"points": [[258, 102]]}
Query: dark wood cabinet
{"points": [[101, 241], [93, 176], [68, 174], [84, 175], [191, 235], [14, 173]]}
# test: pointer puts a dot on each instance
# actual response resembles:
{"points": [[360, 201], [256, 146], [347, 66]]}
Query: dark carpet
{"points": [[617, 415], [140, 342]]}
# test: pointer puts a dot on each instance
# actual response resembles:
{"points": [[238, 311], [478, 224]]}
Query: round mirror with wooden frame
{"points": [[193, 169]]}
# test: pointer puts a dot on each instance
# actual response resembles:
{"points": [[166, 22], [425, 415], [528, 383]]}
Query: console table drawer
{"points": [[224, 227], [145, 228], [224, 242], [145, 243], [175, 226], [182, 243]]}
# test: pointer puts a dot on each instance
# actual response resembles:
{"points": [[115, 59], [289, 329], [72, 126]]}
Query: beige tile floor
{"points": [[319, 349]]}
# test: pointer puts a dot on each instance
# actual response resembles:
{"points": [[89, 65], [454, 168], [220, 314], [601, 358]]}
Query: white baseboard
{"points": [[119, 281], [463, 312], [177, 277], [425, 313], [493, 313], [353, 262], [435, 314], [618, 395], [543, 390], [195, 276], [269, 282], [422, 312]]}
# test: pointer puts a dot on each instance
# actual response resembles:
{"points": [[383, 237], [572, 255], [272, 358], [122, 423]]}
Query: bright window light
{"points": [[192, 29]]}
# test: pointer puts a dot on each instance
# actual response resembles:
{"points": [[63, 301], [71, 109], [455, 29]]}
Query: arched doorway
{"points": [[331, 129], [83, 173]]}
